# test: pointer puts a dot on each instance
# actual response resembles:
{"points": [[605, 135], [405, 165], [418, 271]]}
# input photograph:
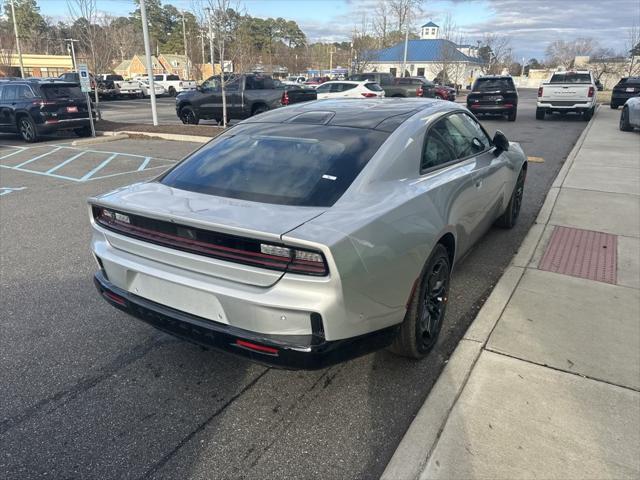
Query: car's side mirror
{"points": [[500, 142]]}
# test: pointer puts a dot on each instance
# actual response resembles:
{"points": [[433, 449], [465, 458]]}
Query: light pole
{"points": [[209, 22], [184, 34], [73, 52], [406, 45], [147, 52], [15, 29]]}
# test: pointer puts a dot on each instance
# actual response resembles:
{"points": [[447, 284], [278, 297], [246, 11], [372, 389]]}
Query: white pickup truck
{"points": [[573, 91], [116, 85], [173, 85]]}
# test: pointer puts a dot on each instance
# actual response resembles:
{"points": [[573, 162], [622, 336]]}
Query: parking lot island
{"points": [[546, 381]]}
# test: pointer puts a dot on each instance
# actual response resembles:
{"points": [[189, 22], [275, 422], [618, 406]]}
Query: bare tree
{"points": [[405, 11], [563, 53], [381, 21], [495, 53], [632, 50]]}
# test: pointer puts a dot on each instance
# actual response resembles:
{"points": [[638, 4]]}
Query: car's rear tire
{"points": [[587, 114], [510, 216], [625, 126], [423, 321], [512, 116], [27, 129], [540, 113], [172, 91], [188, 116], [614, 106], [83, 132], [439, 97]]}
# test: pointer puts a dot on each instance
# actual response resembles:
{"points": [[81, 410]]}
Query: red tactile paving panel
{"points": [[581, 253]]}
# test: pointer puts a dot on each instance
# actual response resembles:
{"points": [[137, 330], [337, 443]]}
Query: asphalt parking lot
{"points": [[90, 393]]}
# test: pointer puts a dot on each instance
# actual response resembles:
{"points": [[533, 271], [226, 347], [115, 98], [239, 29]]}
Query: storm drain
{"points": [[581, 253]]}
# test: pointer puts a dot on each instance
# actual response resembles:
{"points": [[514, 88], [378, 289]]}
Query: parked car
{"points": [[246, 95], [36, 107], [310, 234], [173, 85], [495, 94], [565, 92], [391, 85], [421, 86], [313, 82], [626, 88], [146, 89], [127, 88], [294, 80], [445, 92], [630, 116], [107, 88], [349, 89]]}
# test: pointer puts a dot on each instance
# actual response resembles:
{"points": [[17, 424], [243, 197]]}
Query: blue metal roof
{"points": [[422, 51], [430, 24]]}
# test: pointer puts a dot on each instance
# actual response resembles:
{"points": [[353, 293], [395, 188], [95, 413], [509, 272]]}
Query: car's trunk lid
{"points": [[235, 219], [560, 92], [63, 102]]}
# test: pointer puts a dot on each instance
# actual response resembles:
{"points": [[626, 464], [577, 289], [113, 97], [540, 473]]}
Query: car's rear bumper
{"points": [[491, 108], [565, 106], [308, 352], [65, 124], [619, 98]]}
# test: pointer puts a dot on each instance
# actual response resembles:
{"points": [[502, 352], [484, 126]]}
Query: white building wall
{"points": [[463, 73]]}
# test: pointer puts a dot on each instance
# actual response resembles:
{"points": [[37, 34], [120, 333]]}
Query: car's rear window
{"points": [[115, 77], [361, 77], [570, 78], [309, 165], [635, 81], [53, 92], [483, 84], [374, 87]]}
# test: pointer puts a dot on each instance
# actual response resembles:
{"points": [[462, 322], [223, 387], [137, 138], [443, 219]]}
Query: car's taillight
{"points": [[591, 92], [369, 94], [540, 91], [284, 100], [419, 92], [213, 244]]}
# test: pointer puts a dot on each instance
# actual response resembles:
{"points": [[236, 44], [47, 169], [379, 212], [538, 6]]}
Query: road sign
{"points": [[85, 81]]}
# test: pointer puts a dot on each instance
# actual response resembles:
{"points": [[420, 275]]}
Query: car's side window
{"points": [[437, 147], [474, 128], [1, 89], [24, 92], [323, 89], [10, 92], [463, 137]]}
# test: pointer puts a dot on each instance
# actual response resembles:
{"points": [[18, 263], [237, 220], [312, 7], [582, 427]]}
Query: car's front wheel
{"points": [[422, 323], [188, 116], [27, 129], [625, 126]]}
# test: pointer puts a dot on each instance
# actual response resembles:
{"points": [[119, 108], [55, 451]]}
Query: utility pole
{"points": [[147, 52], [73, 52], [202, 35], [406, 45], [15, 29], [184, 34], [210, 22]]}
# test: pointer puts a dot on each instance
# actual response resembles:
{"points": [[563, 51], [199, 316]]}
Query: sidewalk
{"points": [[546, 382]]}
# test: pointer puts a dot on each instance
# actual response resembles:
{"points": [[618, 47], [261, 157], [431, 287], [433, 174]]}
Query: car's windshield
{"points": [[570, 77], [53, 92], [114, 77], [483, 84], [305, 165]]}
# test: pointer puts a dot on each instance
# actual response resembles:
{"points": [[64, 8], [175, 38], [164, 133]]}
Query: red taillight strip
{"points": [[256, 347], [115, 298], [196, 246]]}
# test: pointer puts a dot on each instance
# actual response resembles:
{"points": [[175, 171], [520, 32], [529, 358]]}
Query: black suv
{"points": [[626, 88], [34, 107], [494, 94]]}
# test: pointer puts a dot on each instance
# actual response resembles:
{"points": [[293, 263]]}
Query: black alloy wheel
{"points": [[625, 126], [188, 116], [426, 312], [27, 129], [510, 216]]}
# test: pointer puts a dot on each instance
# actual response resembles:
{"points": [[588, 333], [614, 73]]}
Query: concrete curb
{"points": [[162, 136], [415, 448], [101, 138]]}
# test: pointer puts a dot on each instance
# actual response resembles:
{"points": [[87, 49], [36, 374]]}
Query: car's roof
{"points": [[354, 82], [41, 81], [376, 114], [493, 76]]}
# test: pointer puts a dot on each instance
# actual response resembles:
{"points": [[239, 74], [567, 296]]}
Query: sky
{"points": [[530, 24]]}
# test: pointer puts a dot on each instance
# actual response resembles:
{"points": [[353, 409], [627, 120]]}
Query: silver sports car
{"points": [[310, 234]]}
